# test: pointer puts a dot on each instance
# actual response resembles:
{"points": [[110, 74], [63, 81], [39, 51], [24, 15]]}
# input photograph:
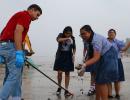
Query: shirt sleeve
{"points": [[97, 45], [24, 21], [120, 44]]}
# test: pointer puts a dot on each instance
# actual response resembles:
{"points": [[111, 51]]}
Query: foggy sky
{"points": [[100, 14]]}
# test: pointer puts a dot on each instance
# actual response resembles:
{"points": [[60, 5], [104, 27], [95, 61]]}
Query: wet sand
{"points": [[37, 87]]}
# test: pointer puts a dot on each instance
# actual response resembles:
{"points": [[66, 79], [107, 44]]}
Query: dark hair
{"points": [[35, 7], [67, 29], [112, 30], [88, 28], [90, 49]]}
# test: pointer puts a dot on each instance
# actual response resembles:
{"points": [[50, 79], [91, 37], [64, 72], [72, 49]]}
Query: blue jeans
{"points": [[13, 75]]}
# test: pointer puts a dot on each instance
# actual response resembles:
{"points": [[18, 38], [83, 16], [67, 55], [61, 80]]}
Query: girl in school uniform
{"points": [[65, 55], [119, 46], [105, 57]]}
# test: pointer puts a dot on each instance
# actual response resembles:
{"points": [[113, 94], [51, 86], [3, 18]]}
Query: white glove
{"points": [[82, 70]]}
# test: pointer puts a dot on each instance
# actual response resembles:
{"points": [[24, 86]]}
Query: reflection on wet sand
{"points": [[37, 87]]}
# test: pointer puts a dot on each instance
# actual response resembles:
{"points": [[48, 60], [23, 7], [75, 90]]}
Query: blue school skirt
{"points": [[91, 68], [64, 61], [120, 70], [107, 67]]}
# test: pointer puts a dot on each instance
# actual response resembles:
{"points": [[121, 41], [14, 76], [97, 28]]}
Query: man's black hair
{"points": [[35, 7]]}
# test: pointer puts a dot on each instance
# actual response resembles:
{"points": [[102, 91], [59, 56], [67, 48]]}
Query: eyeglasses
{"points": [[82, 34]]}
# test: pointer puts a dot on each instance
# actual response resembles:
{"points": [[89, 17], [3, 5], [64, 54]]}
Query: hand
{"points": [[32, 52], [27, 53], [66, 39], [78, 67], [71, 41], [19, 59], [82, 70]]}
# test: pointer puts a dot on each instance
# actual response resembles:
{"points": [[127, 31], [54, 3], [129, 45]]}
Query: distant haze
{"points": [[100, 14]]}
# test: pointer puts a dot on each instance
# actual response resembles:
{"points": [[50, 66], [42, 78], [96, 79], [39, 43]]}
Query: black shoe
{"points": [[22, 98], [58, 92], [117, 97], [110, 96], [67, 93]]}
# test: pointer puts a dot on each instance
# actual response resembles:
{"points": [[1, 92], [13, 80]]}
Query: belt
{"points": [[6, 41]]}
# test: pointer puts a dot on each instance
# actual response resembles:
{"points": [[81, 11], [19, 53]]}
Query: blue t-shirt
{"points": [[100, 44], [118, 45]]}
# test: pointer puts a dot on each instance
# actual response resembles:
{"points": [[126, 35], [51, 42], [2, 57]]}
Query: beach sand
{"points": [[37, 87]]}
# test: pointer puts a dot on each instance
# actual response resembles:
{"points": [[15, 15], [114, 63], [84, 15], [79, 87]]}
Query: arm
{"points": [[18, 36], [18, 45], [62, 39], [94, 53], [126, 47], [93, 60]]}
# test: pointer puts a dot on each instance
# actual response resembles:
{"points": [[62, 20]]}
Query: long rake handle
{"points": [[46, 76]]}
